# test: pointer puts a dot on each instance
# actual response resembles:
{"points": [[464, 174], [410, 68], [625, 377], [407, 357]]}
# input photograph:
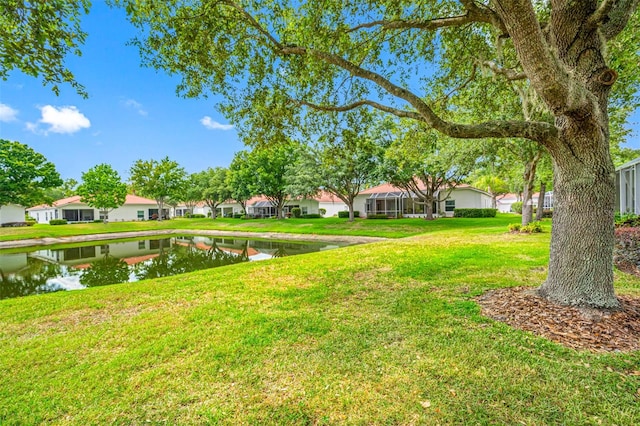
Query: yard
{"points": [[384, 333]]}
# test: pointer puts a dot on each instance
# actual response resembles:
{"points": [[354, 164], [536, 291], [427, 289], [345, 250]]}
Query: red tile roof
{"points": [[131, 199]]}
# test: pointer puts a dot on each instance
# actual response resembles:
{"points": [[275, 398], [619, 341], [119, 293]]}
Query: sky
{"points": [[132, 112]]}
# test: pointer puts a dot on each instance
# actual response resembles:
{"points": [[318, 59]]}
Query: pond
{"points": [[75, 267]]}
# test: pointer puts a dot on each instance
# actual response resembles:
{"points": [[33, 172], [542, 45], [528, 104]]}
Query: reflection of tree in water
{"points": [[108, 270], [32, 279], [182, 259]]}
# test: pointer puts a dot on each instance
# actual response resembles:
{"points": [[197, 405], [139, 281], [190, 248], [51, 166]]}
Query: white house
{"points": [[11, 213], [393, 201], [628, 187], [74, 210]]}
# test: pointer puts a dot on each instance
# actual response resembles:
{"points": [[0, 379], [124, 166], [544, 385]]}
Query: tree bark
{"points": [[540, 212], [529, 177], [582, 238]]}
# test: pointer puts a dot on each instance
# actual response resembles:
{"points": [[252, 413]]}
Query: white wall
{"points": [[467, 199], [333, 207], [11, 213]]}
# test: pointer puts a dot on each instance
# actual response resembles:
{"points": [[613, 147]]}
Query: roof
{"points": [[130, 199], [389, 188], [629, 164]]}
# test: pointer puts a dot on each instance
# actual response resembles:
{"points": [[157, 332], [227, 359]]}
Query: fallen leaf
{"points": [[453, 392], [426, 404]]}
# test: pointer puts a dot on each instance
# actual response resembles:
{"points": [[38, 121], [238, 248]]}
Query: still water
{"points": [[78, 267]]}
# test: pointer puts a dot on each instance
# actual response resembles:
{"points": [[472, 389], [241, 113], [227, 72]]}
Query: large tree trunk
{"points": [[428, 209], [540, 212], [351, 212], [582, 238]]}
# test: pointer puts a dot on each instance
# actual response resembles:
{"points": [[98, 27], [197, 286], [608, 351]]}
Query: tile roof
{"points": [[130, 199]]}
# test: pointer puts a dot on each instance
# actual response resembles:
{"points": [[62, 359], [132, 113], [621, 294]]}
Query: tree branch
{"points": [[508, 73], [348, 107], [613, 16]]}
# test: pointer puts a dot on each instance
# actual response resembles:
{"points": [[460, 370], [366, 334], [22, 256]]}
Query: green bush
{"points": [[98, 221], [238, 215], [322, 211], [532, 228], [30, 222], [514, 227], [377, 216], [58, 222], [474, 213], [311, 216], [345, 214], [517, 207], [626, 220], [197, 216], [296, 212]]}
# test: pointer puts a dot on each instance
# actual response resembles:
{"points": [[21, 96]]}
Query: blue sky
{"points": [[132, 112]]}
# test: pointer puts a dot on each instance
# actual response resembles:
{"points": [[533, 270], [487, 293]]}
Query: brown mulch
{"points": [[577, 328]]}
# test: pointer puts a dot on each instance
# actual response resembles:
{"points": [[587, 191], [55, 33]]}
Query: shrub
{"points": [[626, 251], [345, 214], [517, 207], [187, 215], [547, 214], [98, 221], [296, 212], [322, 211], [532, 228], [311, 216], [474, 213], [58, 222], [238, 215], [627, 220], [30, 222], [377, 216], [514, 227], [197, 216]]}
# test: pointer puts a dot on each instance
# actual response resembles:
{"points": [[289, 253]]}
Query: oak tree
{"points": [[411, 59], [102, 188], [159, 180]]}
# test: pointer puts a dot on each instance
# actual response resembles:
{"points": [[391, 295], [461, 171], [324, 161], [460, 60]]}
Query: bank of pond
{"points": [[37, 270]]}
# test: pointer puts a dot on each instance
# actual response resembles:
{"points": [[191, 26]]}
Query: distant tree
{"points": [[25, 175], [214, 188], [493, 185], [102, 189], [272, 166], [240, 179], [158, 180], [426, 165], [343, 165], [191, 194], [108, 270], [67, 189], [36, 36]]}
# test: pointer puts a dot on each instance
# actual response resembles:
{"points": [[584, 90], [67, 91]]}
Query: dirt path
{"points": [[251, 235]]}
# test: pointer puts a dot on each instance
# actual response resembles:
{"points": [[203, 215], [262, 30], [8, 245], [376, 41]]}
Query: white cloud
{"points": [[61, 120], [7, 113], [132, 103], [214, 125]]}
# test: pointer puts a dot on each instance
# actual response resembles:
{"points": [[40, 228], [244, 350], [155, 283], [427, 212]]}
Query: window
{"points": [[449, 205], [142, 245], [104, 216], [304, 210], [104, 249], [140, 214]]}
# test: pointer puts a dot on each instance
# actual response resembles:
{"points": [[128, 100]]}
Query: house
{"points": [[628, 187], [11, 213], [395, 202], [74, 210]]}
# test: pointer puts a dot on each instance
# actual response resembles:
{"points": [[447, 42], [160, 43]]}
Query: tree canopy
{"points": [[102, 189], [36, 36], [425, 61], [25, 175], [159, 180]]}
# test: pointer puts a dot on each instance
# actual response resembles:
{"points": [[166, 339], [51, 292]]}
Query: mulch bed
{"points": [[577, 328]]}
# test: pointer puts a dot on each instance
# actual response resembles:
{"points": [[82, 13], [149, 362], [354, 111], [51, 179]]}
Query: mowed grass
{"points": [[392, 228], [384, 333]]}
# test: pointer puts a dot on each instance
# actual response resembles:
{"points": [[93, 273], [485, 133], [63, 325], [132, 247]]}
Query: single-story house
{"points": [[11, 213], [628, 187], [394, 202], [74, 210], [504, 202]]}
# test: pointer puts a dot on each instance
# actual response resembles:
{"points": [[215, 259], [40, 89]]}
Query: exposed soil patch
{"points": [[577, 328]]}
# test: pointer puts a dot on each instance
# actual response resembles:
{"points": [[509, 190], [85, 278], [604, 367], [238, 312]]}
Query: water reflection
{"points": [[77, 267]]}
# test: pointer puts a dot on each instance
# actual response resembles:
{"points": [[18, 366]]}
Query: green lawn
{"points": [[385, 333], [394, 228]]}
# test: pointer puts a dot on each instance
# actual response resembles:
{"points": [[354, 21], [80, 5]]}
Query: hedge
{"points": [[58, 222], [474, 212], [197, 216], [311, 216], [377, 216], [345, 214], [517, 207]]}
